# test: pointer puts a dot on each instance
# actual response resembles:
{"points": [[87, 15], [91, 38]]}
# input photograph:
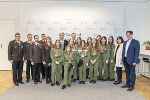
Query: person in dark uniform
{"points": [[64, 43], [47, 59], [36, 59], [43, 41], [15, 56], [27, 46]]}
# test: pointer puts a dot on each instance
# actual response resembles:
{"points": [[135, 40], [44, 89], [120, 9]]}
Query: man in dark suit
{"points": [[130, 57], [63, 42], [36, 59], [43, 41], [15, 56], [27, 46]]}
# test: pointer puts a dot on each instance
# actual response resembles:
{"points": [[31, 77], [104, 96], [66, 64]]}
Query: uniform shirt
{"points": [[62, 43], [127, 46]]}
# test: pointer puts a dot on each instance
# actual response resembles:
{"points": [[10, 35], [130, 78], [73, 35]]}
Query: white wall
{"points": [[126, 16]]}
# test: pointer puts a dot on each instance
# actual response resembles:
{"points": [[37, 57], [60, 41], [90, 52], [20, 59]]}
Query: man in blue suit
{"points": [[130, 57]]}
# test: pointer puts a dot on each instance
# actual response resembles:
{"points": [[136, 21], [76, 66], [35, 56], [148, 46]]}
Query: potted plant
{"points": [[147, 45]]}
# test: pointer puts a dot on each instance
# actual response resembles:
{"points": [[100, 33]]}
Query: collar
{"points": [[130, 40]]}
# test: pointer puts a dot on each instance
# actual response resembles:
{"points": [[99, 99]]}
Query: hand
{"points": [[11, 61], [44, 62], [121, 62], [25, 61], [134, 64], [86, 64], [106, 61], [112, 61], [32, 63], [57, 62]]}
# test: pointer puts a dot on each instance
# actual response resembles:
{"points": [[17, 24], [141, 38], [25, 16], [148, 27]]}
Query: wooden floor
{"points": [[142, 83]]}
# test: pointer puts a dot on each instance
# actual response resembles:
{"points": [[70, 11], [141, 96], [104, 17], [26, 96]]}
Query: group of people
{"points": [[74, 59]]}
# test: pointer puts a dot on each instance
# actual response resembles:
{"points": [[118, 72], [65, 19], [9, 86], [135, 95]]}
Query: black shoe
{"points": [[117, 82], [130, 89], [80, 82], [83, 82], [21, 82], [35, 82], [94, 82], [47, 82], [52, 84], [91, 81], [125, 86], [69, 85], [16, 84], [57, 83], [40, 81], [27, 81], [74, 80], [64, 86]]}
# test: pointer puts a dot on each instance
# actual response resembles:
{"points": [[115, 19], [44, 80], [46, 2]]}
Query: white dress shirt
{"points": [[127, 46]]}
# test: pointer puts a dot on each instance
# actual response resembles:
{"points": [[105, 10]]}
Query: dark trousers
{"points": [[62, 71], [43, 70], [36, 71], [17, 68], [28, 68], [130, 73], [119, 73], [48, 72]]}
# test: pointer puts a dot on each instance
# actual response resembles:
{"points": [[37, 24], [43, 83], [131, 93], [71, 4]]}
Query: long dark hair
{"points": [[120, 39], [112, 40], [105, 39]]}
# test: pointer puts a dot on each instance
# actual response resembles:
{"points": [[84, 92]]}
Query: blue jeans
{"points": [[130, 74]]}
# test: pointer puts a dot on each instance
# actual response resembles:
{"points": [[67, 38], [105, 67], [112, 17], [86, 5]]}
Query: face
{"points": [[129, 35], [61, 36], [103, 40], [110, 39], [82, 44], [43, 37], [119, 41], [29, 37], [78, 40], [98, 38], [68, 49], [57, 43], [89, 40], [36, 38], [94, 41], [48, 40], [17, 37], [73, 36], [71, 41]]}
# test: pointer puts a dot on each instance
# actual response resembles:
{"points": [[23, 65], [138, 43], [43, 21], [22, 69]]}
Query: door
{"points": [[7, 31]]}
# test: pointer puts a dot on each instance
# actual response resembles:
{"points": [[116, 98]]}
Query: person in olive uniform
{"points": [[72, 45], [68, 59], [46, 58], [29, 67], [36, 59], [76, 69], [94, 62], [103, 61], [15, 56], [88, 44], [43, 41], [56, 56], [83, 55], [111, 65]]}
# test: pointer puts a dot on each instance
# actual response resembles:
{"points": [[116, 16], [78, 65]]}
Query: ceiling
{"points": [[141, 1]]}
